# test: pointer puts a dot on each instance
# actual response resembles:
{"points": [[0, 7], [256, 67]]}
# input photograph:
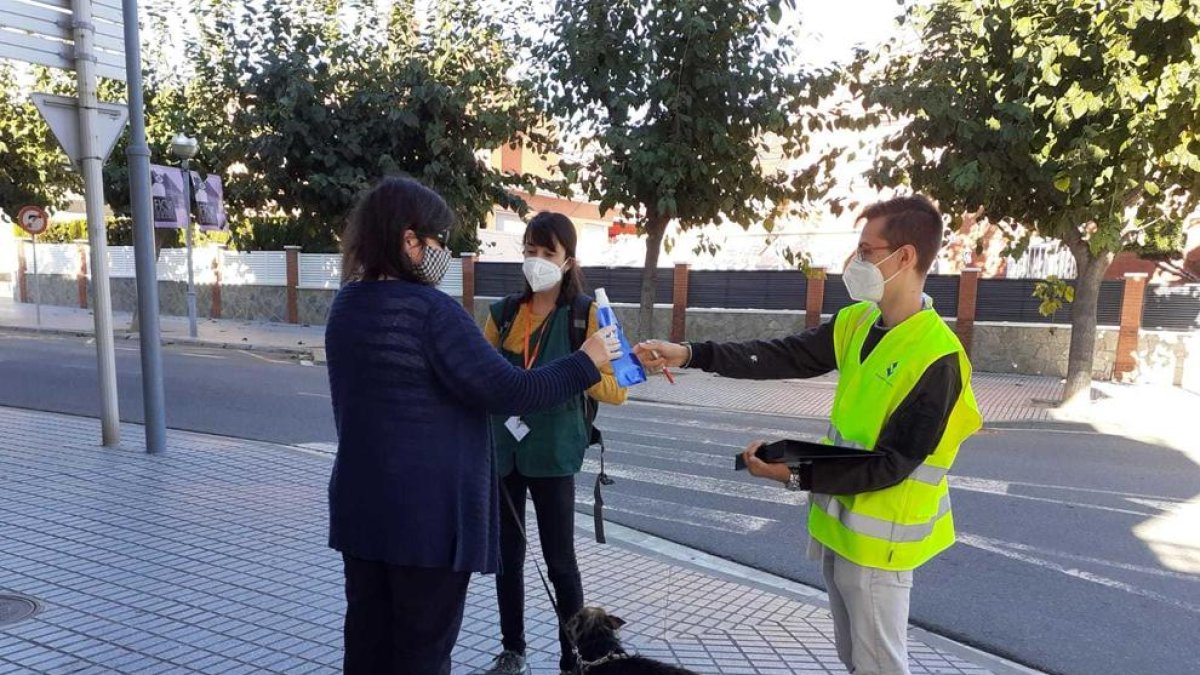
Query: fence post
{"points": [[1125, 368], [217, 264], [81, 278], [468, 282], [964, 322], [679, 302], [293, 283], [814, 297], [22, 285]]}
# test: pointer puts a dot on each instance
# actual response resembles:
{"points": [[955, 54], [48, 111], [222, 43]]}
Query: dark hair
{"points": [[554, 231], [373, 241], [911, 221]]}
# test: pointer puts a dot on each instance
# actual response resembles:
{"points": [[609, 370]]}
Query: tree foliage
{"points": [[676, 103], [33, 169], [1077, 119], [302, 104]]}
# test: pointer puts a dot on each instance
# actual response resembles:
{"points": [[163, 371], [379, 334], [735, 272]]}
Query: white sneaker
{"points": [[508, 663]]}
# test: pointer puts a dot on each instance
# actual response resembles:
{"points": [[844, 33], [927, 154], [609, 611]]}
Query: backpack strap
{"points": [[580, 316], [509, 305]]}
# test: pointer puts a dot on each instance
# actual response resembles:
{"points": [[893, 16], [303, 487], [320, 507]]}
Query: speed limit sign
{"points": [[33, 219]]}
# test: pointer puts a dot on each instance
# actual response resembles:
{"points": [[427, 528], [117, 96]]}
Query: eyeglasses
{"points": [[864, 250], [440, 237]]}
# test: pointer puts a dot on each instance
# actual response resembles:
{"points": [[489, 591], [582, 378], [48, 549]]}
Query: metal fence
{"points": [[1000, 300]]}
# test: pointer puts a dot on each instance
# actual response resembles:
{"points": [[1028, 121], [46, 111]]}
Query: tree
{"points": [[675, 103], [304, 108], [1076, 119], [33, 170]]}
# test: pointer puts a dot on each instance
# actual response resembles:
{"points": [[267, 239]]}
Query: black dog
{"points": [[594, 632]]}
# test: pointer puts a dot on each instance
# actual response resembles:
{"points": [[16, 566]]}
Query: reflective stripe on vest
{"points": [[925, 473], [878, 528]]}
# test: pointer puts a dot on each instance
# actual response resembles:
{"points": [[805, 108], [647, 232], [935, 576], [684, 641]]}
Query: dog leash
{"points": [[512, 509]]}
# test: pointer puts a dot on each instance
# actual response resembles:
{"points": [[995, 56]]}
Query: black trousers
{"points": [[554, 502], [401, 620]]}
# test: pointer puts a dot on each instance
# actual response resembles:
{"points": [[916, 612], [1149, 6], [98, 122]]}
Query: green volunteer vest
{"points": [[900, 527], [557, 438]]}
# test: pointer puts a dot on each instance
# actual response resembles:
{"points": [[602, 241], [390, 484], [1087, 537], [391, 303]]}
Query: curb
{"points": [[695, 559], [298, 352]]}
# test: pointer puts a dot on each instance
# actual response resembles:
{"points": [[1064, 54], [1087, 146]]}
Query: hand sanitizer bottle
{"points": [[627, 369]]}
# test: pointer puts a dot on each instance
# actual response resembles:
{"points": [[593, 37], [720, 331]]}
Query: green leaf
{"points": [[1062, 183], [775, 13]]}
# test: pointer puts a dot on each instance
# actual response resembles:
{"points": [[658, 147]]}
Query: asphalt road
{"points": [[1066, 559]]}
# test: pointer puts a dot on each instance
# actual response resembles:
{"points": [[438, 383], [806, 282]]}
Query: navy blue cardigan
{"points": [[413, 381]]}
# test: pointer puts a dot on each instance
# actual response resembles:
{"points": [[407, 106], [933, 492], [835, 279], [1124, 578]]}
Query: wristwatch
{"points": [[793, 481]]}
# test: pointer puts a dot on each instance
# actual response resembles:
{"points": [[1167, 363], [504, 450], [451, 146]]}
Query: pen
{"points": [[666, 371]]}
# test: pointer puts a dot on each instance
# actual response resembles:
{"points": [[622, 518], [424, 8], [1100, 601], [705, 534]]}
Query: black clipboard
{"points": [[790, 451]]}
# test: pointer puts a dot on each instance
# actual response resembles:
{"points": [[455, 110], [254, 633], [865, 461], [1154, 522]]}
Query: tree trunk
{"points": [[1081, 358], [160, 236], [655, 229]]}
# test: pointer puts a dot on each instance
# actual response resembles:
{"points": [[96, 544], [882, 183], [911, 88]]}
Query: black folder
{"points": [[799, 452]]}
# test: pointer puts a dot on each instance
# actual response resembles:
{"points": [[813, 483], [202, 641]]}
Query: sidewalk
{"points": [[211, 558], [220, 333], [1003, 399]]}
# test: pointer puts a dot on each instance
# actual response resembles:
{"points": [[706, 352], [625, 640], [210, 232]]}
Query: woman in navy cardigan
{"points": [[413, 497]]}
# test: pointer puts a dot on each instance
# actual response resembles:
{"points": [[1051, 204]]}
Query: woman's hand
{"points": [[603, 346], [655, 354]]}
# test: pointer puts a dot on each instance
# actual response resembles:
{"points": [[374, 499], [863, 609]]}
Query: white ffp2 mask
{"points": [[541, 274], [864, 282]]}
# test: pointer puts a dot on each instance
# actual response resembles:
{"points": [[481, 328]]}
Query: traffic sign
{"points": [[62, 114], [33, 219], [43, 32]]}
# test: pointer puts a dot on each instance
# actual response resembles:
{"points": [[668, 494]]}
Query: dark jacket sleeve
{"points": [[910, 435], [476, 372], [808, 354]]}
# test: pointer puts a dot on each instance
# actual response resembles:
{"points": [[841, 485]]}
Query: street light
{"points": [[185, 148]]}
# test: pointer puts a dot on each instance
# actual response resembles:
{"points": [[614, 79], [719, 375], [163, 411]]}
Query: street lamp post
{"points": [[185, 148]]}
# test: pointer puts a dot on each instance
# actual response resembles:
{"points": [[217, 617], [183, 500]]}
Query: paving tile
{"points": [[211, 559]]}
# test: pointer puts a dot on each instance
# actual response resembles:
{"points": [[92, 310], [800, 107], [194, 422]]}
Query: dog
{"points": [[594, 633]]}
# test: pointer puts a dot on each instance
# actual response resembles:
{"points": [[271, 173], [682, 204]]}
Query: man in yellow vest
{"points": [[904, 391]]}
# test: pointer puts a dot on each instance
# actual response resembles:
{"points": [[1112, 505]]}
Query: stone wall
{"points": [[53, 289], [1032, 349], [313, 305], [626, 314], [1035, 349], [254, 303]]}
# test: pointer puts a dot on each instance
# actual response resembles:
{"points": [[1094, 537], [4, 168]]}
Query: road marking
{"points": [[697, 516], [202, 356], [989, 545], [684, 456], [694, 483], [1001, 488], [1128, 567], [1160, 504], [260, 357], [692, 424], [312, 393]]}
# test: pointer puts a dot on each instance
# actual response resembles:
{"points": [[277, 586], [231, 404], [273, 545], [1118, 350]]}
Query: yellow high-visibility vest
{"points": [[900, 527]]}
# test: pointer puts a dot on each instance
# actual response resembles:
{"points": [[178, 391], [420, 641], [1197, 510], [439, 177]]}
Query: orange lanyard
{"points": [[530, 359]]}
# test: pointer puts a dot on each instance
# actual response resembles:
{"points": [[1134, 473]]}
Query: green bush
{"points": [[120, 233]]}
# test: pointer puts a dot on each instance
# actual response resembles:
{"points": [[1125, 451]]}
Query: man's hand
{"points": [[656, 354], [761, 469]]}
